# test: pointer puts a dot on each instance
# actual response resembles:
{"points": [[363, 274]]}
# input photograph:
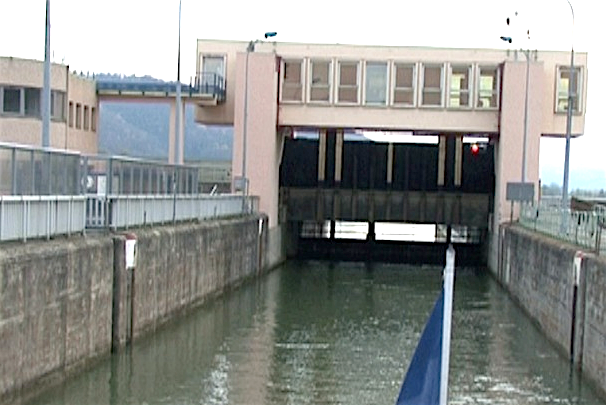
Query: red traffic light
{"points": [[475, 149]]}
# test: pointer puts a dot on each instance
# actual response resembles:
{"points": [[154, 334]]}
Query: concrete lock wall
{"points": [[68, 301], [568, 307], [55, 307]]}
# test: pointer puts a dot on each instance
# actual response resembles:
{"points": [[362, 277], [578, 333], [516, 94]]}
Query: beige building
{"points": [[74, 106], [442, 92]]}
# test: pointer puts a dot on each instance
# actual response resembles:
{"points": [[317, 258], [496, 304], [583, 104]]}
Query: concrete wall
{"points": [[55, 307], [65, 302], [538, 272]]}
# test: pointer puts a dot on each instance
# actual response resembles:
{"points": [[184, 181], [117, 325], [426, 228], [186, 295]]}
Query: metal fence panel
{"points": [[583, 228], [27, 217], [126, 211]]}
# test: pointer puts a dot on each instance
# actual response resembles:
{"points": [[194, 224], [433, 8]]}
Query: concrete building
{"points": [[273, 89], [74, 106]]}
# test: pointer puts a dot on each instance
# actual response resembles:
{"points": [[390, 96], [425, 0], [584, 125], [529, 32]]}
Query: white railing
{"points": [[125, 211], [27, 217], [583, 228]]}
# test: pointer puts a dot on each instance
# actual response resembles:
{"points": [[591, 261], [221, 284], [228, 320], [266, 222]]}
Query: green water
{"points": [[342, 333]]}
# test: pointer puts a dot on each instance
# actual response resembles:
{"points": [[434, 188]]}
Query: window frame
{"points": [[78, 123], [414, 83], [201, 80], [21, 101], [301, 84], [579, 77], [339, 86], [328, 86], [424, 66], [468, 90], [495, 92], [365, 101]]}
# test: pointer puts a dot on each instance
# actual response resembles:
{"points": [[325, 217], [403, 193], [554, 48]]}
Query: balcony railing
{"points": [[204, 84]]}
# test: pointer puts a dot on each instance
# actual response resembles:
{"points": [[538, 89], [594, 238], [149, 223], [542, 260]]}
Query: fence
{"points": [[583, 228], [27, 217], [124, 211], [33, 171], [116, 175], [47, 192]]}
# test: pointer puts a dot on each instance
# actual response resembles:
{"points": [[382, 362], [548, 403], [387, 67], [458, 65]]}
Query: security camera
{"points": [[506, 39], [270, 34]]}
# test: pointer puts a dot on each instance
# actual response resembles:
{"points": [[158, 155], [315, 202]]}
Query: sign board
{"points": [[520, 192], [130, 246]]}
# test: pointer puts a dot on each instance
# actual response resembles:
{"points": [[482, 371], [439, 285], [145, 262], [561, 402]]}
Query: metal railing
{"points": [[46, 192], [26, 170], [583, 228], [204, 84], [27, 217], [126, 211], [117, 175]]}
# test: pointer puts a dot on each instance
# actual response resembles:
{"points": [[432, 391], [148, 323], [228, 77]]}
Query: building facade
{"points": [[74, 106], [275, 89]]}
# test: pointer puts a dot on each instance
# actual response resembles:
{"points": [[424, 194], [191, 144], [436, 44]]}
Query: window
{"points": [[320, 81], [86, 119], [488, 85], [11, 100], [32, 102], [213, 68], [432, 85], [563, 80], [58, 105], [404, 88], [376, 83], [348, 82], [93, 119], [292, 85], [71, 114], [459, 86], [78, 116]]}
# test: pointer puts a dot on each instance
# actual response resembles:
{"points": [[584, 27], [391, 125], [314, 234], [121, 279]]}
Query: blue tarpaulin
{"points": [[422, 382]]}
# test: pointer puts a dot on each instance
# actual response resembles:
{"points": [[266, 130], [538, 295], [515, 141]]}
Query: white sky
{"points": [[140, 37]]}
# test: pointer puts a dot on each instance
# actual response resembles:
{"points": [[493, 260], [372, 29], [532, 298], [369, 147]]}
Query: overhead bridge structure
{"points": [[317, 131], [205, 89]]}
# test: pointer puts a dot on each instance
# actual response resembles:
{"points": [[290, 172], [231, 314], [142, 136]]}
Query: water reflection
{"points": [[332, 333]]}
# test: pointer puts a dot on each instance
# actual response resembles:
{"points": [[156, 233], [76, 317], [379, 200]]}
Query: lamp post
{"points": [[178, 155], [250, 48], [568, 120], [525, 136], [46, 91]]}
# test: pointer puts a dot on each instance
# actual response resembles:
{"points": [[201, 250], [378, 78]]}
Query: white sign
{"points": [[131, 253]]}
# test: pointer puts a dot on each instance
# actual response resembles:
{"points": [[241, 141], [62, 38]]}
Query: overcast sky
{"points": [[140, 37]]}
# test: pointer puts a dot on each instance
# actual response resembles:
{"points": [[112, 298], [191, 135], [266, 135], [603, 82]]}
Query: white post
{"points": [[446, 325]]}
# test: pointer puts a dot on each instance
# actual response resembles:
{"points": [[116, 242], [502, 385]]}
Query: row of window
{"points": [[27, 102], [84, 117], [382, 83]]}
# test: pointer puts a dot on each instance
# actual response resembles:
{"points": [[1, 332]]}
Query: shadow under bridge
{"points": [[334, 179]]}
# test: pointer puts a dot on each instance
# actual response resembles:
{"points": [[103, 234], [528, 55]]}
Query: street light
{"points": [[178, 156], [525, 141], [250, 48], [568, 119], [46, 91]]}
